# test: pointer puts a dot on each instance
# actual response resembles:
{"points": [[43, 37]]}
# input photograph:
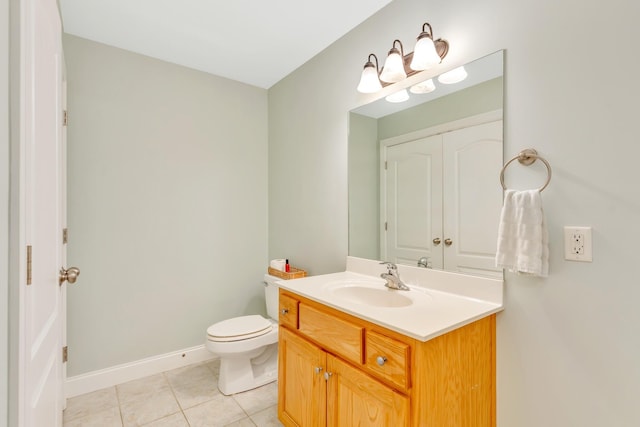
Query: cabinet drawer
{"points": [[334, 334], [288, 315], [387, 358]]}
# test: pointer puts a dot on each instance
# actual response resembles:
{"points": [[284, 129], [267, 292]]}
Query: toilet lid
{"points": [[239, 328]]}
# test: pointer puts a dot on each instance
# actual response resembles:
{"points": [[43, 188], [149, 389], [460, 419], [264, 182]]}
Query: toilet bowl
{"points": [[247, 346]]}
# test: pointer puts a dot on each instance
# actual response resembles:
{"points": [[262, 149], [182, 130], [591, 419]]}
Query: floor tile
{"points": [[245, 422], [256, 400], [218, 412], [214, 365], [86, 404], [141, 389], [267, 417], [99, 418], [175, 420], [157, 404], [193, 385], [183, 397]]}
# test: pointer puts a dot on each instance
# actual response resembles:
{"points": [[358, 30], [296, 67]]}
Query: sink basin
{"points": [[374, 293], [373, 296]]}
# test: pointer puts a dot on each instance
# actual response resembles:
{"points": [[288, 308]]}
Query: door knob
{"points": [[448, 242], [70, 275], [436, 241]]}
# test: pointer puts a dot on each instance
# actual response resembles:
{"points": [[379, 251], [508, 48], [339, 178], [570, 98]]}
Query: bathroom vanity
{"points": [[352, 352]]}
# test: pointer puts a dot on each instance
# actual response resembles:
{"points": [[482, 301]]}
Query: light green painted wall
{"points": [[364, 197], [568, 345], [167, 204]]}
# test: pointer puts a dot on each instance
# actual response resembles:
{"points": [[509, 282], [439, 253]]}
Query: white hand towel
{"points": [[523, 245]]}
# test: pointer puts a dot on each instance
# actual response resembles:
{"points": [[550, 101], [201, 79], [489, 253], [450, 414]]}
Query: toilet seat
{"points": [[239, 328]]}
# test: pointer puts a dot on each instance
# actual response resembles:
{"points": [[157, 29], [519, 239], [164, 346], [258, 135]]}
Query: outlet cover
{"points": [[577, 244]]}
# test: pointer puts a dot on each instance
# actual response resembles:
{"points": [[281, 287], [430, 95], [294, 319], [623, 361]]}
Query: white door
{"points": [[472, 157], [40, 373], [412, 198]]}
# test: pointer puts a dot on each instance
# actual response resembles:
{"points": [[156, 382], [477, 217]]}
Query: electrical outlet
{"points": [[577, 244]]}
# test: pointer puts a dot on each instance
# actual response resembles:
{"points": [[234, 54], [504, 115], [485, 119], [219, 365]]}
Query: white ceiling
{"points": [[252, 41]]}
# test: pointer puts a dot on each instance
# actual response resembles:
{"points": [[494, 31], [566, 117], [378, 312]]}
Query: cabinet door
{"points": [[355, 399], [472, 161], [301, 385]]}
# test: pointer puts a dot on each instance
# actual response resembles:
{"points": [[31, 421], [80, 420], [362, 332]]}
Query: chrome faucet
{"points": [[424, 262], [392, 277]]}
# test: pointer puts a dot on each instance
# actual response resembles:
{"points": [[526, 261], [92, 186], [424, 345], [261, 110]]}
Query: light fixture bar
{"points": [[398, 65]]}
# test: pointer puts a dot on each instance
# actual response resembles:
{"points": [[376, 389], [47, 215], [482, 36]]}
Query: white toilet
{"points": [[247, 346]]}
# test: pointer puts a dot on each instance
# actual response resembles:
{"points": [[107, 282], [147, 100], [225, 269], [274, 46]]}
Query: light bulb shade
{"points": [[454, 76], [425, 55], [369, 81], [426, 86], [393, 70], [399, 96]]}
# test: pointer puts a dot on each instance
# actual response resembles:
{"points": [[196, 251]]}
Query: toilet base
{"points": [[242, 374]]}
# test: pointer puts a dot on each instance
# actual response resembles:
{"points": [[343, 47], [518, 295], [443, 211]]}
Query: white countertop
{"points": [[433, 313]]}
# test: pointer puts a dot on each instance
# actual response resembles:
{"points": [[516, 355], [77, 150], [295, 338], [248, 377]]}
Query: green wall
{"points": [[167, 204]]}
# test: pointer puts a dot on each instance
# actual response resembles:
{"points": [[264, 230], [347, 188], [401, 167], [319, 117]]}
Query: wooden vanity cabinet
{"points": [[318, 389], [339, 370]]}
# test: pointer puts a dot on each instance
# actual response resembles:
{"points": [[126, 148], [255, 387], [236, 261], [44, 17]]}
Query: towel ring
{"points": [[527, 157]]}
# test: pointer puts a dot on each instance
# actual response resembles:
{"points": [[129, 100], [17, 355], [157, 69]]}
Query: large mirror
{"points": [[424, 185]]}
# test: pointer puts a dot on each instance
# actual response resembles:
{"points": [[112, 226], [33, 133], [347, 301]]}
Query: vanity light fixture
{"points": [[399, 96], [398, 66], [369, 81], [425, 54], [393, 70], [426, 86], [454, 76]]}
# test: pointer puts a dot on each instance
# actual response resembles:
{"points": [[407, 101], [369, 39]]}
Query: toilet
{"points": [[247, 346]]}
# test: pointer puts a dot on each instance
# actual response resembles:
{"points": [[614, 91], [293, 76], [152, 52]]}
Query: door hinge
{"points": [[29, 263], [65, 236], [65, 354], [385, 165], [65, 118], [385, 226]]}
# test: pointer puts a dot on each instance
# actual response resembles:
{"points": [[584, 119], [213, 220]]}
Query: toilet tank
{"points": [[271, 295]]}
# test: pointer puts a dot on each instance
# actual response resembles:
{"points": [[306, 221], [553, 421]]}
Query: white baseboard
{"points": [[109, 377]]}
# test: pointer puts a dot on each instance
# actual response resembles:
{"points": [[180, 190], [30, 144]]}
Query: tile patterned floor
{"points": [[184, 397]]}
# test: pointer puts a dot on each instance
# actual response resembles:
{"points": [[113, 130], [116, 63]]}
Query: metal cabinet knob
{"points": [[380, 360], [448, 242], [436, 241], [70, 275], [318, 369], [284, 311], [327, 375]]}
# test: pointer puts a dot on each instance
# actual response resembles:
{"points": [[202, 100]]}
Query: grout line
{"points": [[119, 405], [173, 392]]}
